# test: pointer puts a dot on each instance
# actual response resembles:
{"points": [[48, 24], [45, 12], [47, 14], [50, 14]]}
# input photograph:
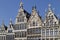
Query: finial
{"points": [[34, 8], [10, 21], [45, 11], [2, 26], [2, 22], [21, 4], [49, 7]]}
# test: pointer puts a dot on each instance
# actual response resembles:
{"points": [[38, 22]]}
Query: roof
{"points": [[5, 27], [27, 14], [56, 16]]}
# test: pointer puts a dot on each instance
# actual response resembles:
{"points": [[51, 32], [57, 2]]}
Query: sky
{"points": [[9, 8]]}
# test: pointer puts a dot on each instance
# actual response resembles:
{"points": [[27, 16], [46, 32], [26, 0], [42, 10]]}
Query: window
{"points": [[47, 32], [55, 31], [43, 32], [16, 27], [55, 24], [52, 17], [49, 17], [24, 34], [34, 23], [51, 22], [34, 31], [44, 24], [9, 31], [47, 24], [20, 14], [20, 34], [37, 30], [22, 26], [51, 32], [17, 34], [21, 19], [18, 19]]}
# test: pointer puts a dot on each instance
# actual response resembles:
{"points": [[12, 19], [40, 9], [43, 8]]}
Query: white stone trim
{"points": [[19, 30]]}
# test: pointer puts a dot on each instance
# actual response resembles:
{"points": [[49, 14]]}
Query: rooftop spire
{"points": [[10, 24], [10, 21], [3, 22], [10, 28], [21, 4], [34, 8], [2, 27]]}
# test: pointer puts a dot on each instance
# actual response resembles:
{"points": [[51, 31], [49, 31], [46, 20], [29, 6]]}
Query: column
{"points": [[53, 35], [41, 33], [5, 37], [49, 34], [45, 34]]}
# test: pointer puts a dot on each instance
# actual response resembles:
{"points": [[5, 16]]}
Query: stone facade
{"points": [[31, 26]]}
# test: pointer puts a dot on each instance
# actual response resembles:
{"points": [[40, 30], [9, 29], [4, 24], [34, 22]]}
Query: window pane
{"points": [[34, 31], [23, 26], [47, 32], [51, 32], [56, 32], [43, 32], [21, 19]]}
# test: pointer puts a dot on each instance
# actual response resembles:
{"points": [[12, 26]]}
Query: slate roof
{"points": [[27, 14]]}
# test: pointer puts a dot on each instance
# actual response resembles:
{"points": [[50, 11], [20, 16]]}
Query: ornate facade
{"points": [[31, 26]]}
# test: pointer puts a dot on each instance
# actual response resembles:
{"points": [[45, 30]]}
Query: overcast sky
{"points": [[9, 8]]}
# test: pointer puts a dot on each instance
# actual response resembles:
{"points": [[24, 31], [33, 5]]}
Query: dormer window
{"points": [[55, 23], [48, 17], [52, 16], [34, 23]]}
